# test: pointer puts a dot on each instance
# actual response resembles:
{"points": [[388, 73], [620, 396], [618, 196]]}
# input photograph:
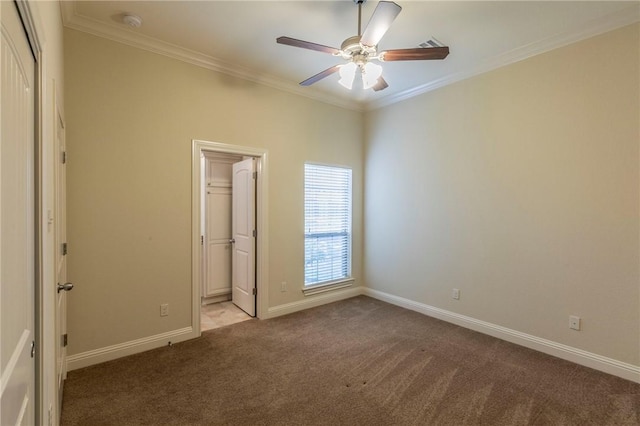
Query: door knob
{"points": [[232, 240], [65, 287]]}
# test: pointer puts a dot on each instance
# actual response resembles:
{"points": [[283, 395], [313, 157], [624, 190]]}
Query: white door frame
{"points": [[262, 255]]}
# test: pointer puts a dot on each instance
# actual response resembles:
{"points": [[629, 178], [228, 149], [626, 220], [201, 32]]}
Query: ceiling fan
{"points": [[361, 49]]}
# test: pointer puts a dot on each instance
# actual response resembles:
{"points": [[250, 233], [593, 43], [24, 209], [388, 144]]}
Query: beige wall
{"points": [[519, 187], [131, 118]]}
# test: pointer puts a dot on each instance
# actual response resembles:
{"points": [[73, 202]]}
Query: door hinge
{"points": [[255, 175], [65, 340], [64, 157], [33, 348], [255, 233], [64, 249], [255, 291], [201, 240]]}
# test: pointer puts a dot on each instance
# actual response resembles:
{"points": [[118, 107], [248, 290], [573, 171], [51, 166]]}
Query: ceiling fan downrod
{"points": [[351, 49], [359, 2]]}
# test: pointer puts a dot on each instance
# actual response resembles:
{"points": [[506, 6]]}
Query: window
{"points": [[327, 224]]}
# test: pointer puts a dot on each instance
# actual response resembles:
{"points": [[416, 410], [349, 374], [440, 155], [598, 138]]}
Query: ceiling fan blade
{"points": [[380, 85], [417, 54], [320, 76], [380, 21], [307, 45]]}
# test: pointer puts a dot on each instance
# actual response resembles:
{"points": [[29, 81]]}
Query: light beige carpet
{"points": [[354, 362]]}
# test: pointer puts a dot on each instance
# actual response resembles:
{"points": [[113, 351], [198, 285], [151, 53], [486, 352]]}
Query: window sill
{"points": [[333, 285]]}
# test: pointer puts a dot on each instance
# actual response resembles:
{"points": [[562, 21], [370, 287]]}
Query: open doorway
{"points": [[226, 190], [229, 233]]}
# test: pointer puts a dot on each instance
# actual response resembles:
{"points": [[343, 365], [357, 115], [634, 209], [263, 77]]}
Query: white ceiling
{"points": [[239, 37]]}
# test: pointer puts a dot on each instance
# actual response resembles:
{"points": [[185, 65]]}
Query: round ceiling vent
{"points": [[134, 21]]}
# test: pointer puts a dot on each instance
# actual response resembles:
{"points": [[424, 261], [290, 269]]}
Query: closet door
{"points": [[17, 229], [217, 281], [218, 246]]}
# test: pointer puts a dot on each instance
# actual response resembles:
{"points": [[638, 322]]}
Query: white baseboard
{"points": [[120, 350], [109, 353], [313, 301], [579, 356]]}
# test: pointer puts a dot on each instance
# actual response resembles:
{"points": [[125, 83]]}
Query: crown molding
{"points": [[67, 11], [611, 22], [115, 33]]}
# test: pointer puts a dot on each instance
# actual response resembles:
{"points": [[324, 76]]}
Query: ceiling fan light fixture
{"points": [[347, 75], [359, 50], [370, 74]]}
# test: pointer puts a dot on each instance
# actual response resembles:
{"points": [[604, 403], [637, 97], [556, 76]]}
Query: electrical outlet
{"points": [[574, 322], [164, 310], [455, 294], [283, 286]]}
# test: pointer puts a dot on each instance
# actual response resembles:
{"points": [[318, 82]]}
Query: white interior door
{"points": [[60, 226], [17, 253], [243, 277]]}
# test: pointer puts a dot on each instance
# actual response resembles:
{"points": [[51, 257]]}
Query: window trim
{"points": [[328, 286], [343, 282]]}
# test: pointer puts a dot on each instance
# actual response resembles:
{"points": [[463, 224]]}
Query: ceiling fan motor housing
{"points": [[351, 49], [352, 44]]}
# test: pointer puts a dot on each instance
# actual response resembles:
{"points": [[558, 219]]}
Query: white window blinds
{"points": [[327, 223]]}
